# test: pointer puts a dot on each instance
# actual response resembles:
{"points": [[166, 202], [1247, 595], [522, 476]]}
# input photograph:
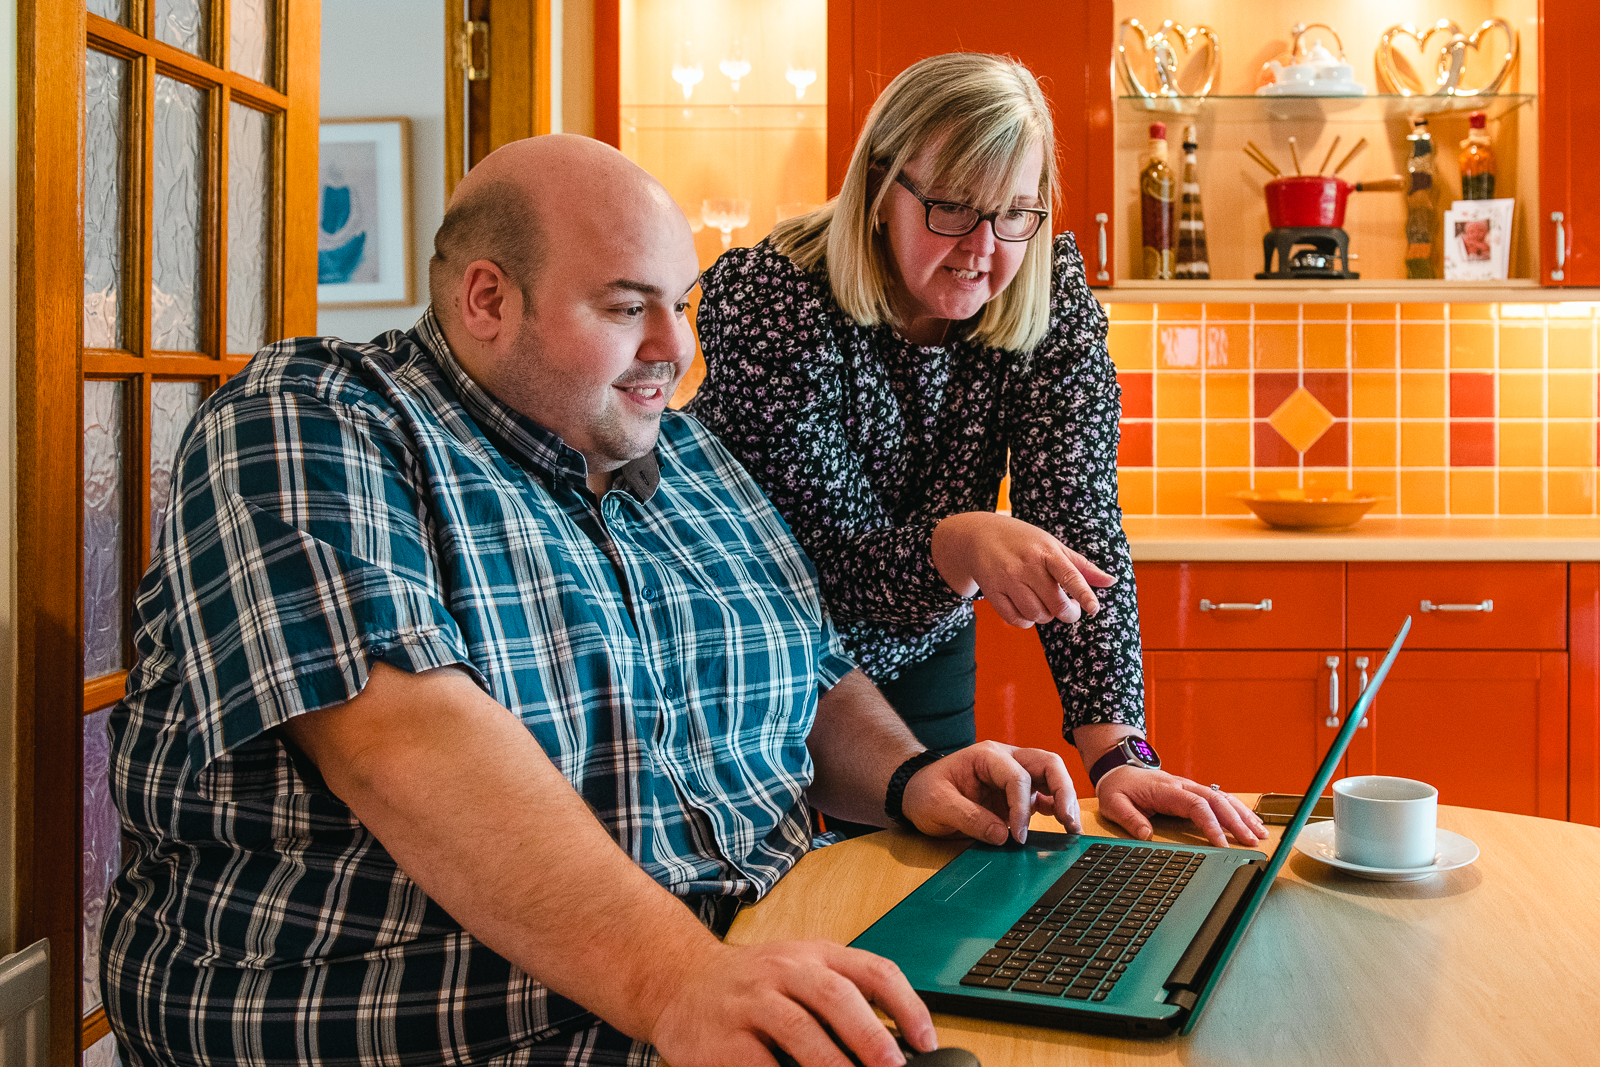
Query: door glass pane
{"points": [[250, 24], [105, 163], [182, 23], [249, 196], [115, 10], [102, 1053], [102, 847], [172, 405], [104, 620], [176, 289]]}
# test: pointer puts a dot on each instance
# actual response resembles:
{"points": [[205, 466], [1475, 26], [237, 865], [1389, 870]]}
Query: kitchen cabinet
{"points": [[1569, 102], [1492, 706]]}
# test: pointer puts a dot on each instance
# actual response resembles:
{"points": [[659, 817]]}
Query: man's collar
{"points": [[536, 445]]}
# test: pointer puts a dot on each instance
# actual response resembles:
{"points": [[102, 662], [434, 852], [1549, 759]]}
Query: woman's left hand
{"points": [[1129, 795], [1024, 572]]}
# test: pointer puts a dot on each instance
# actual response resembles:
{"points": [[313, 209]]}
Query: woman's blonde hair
{"points": [[985, 112]]}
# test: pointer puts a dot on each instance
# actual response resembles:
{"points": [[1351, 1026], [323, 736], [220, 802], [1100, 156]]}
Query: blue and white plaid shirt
{"points": [[336, 504]]}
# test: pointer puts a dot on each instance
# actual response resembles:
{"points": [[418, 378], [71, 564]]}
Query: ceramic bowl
{"points": [[1294, 509]]}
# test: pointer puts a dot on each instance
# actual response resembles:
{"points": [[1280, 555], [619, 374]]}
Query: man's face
{"points": [[606, 338]]}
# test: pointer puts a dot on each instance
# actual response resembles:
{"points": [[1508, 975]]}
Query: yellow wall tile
{"points": [[1382, 484], [1422, 345], [1425, 312], [1571, 395], [1178, 312], [1325, 345], [1136, 492], [1266, 479], [1220, 487], [1324, 482], [1471, 346], [1571, 444], [1373, 312], [1571, 347], [1521, 493], [1422, 444], [1177, 444], [1178, 493], [1227, 396], [1277, 346], [1571, 492], [1324, 312], [1227, 312], [1521, 346], [1422, 492], [1472, 492], [1227, 345], [1131, 345], [1471, 312], [1177, 395], [1276, 312], [1227, 444], [1372, 345], [1373, 394], [1178, 346], [1119, 312], [1521, 444], [1422, 396], [1521, 396], [1373, 444]]}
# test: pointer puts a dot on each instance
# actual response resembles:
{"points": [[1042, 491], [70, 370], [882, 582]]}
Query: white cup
{"points": [[1385, 822]]}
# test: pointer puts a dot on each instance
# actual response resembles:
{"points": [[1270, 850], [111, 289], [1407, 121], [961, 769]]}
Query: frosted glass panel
{"points": [[249, 195], [102, 847], [182, 23], [102, 1053], [172, 405], [176, 289], [250, 25], [105, 146], [115, 10], [104, 621]]}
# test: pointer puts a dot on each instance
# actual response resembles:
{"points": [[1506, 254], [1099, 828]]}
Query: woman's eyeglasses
{"points": [[949, 219]]}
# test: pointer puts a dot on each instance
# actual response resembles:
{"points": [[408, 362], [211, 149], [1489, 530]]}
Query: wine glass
{"points": [[800, 78], [686, 69], [734, 65], [726, 214]]}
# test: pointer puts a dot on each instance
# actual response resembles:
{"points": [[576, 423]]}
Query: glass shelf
{"points": [[741, 117], [1375, 107]]}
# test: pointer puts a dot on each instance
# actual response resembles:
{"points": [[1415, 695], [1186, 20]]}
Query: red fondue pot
{"points": [[1307, 200]]}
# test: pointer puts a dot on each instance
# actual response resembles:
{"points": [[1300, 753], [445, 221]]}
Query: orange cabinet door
{"points": [[1488, 729], [1017, 699], [1249, 721], [1459, 605], [1241, 605]]}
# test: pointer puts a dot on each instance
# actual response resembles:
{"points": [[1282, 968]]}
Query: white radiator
{"points": [[25, 1007]]}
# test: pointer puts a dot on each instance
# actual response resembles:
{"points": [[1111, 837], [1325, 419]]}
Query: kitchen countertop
{"points": [[1373, 538]]}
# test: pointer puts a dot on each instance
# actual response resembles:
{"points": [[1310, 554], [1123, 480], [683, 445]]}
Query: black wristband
{"points": [[894, 800]]}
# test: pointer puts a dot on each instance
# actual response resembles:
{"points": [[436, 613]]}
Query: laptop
{"points": [[1091, 933]]}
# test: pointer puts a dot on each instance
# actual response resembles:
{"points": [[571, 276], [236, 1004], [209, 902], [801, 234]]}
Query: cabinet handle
{"points": [[1206, 605], [1332, 663], [1105, 275], [1559, 218], [1361, 664], [1485, 607]]}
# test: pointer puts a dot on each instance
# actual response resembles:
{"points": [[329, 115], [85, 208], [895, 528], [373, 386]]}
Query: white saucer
{"points": [[1315, 88], [1316, 841]]}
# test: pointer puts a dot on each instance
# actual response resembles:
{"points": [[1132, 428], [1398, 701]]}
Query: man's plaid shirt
{"points": [[336, 504]]}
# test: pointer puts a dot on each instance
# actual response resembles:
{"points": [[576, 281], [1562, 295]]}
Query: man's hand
{"points": [[989, 790], [741, 1001], [1027, 574], [1127, 794]]}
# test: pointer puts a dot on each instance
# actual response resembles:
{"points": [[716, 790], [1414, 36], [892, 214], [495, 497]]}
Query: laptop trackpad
{"points": [[956, 885]]}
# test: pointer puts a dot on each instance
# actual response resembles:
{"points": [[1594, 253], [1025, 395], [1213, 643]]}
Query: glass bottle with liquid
{"points": [[1191, 260], [1477, 161], [1158, 202], [1422, 215]]}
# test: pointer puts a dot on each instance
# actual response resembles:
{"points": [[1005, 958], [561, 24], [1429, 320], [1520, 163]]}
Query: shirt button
{"points": [[672, 692], [648, 592]]}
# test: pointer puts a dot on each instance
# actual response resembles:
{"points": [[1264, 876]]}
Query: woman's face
{"points": [[949, 279]]}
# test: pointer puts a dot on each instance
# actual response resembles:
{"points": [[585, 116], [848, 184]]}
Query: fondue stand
{"points": [[1314, 260]]}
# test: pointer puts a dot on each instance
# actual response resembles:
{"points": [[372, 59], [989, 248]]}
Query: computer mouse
{"points": [[939, 1057]]}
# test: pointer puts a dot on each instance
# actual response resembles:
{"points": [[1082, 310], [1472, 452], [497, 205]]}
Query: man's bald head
{"points": [[524, 197]]}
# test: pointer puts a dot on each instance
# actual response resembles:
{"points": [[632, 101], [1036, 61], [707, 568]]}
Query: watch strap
{"points": [[1119, 756], [894, 800]]}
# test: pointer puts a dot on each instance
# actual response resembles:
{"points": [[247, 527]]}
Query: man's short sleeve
{"points": [[296, 552]]}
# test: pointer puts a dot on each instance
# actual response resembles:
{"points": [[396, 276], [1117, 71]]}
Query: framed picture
{"points": [[1477, 240], [364, 257]]}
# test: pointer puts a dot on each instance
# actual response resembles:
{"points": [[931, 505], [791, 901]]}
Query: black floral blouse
{"points": [[865, 441]]}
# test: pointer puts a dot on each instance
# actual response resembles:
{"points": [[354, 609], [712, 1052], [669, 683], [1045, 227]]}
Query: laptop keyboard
{"points": [[1079, 937]]}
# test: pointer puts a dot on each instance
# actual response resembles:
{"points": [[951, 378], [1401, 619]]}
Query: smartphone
{"points": [[1277, 809]]}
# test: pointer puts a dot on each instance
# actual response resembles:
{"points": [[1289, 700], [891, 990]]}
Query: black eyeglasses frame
{"points": [[928, 204]]}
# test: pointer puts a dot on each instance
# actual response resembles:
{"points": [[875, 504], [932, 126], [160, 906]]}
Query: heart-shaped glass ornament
{"points": [[1162, 46], [1449, 60]]}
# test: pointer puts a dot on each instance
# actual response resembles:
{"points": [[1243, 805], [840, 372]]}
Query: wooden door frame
{"points": [[518, 91], [51, 39]]}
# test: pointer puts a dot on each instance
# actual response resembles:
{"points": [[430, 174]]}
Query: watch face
{"points": [[1141, 748]]}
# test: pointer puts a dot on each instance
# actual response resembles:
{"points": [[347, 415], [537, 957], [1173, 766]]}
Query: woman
{"points": [[875, 362]]}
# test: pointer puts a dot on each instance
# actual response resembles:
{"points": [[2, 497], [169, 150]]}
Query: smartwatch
{"points": [[1130, 751]]}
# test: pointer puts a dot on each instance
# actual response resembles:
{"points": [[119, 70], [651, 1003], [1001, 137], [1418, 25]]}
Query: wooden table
{"points": [[1494, 963]]}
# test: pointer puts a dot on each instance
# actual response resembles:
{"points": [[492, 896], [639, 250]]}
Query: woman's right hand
{"points": [[1026, 573]]}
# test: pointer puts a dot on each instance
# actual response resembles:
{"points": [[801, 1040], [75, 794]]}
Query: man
{"points": [[343, 848]]}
